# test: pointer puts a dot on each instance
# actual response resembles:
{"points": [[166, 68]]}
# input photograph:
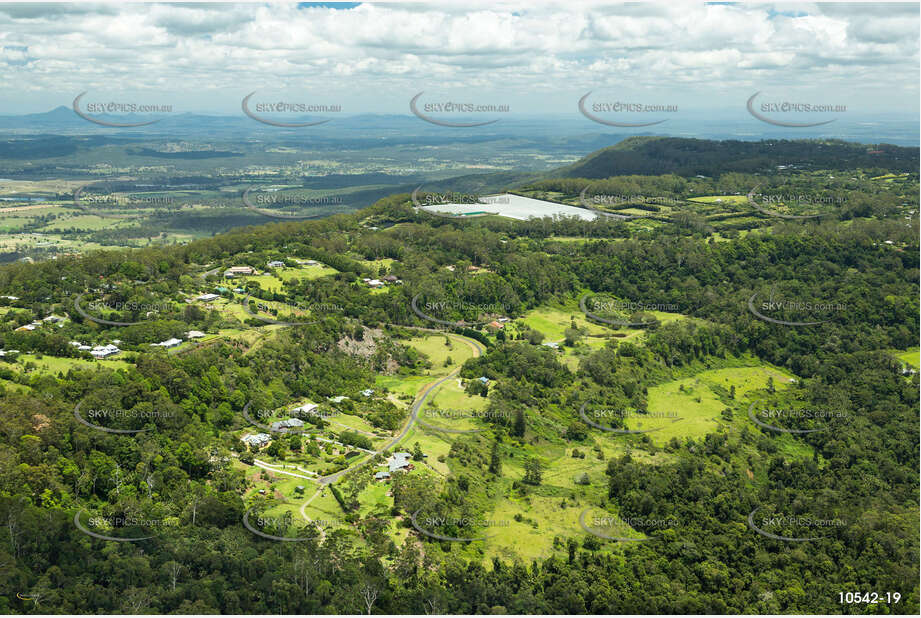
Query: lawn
{"points": [[54, 364], [911, 357], [729, 200]]}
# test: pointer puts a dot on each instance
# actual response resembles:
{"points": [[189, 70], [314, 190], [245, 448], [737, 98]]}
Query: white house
{"points": [[367, 392], [276, 264], [194, 334], [287, 424], [257, 439], [337, 398], [172, 342], [305, 410], [104, 351], [208, 297]]}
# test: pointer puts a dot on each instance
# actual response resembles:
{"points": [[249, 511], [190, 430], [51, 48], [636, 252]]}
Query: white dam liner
{"points": [[515, 207]]}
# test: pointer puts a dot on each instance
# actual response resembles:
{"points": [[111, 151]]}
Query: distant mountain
{"points": [[690, 157]]}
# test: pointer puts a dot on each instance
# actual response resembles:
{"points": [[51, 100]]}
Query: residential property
{"points": [[374, 283], [54, 319], [208, 297], [236, 271], [257, 439], [8, 353], [383, 475], [400, 461], [194, 334], [8, 297], [104, 351], [551, 344], [169, 343], [483, 379], [31, 326], [337, 398], [367, 392], [494, 325], [288, 423], [308, 409], [276, 264]]}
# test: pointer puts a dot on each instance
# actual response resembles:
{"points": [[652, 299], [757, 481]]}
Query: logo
{"points": [[772, 213], [460, 522], [604, 412], [614, 306], [264, 307], [788, 107], [449, 107], [790, 521], [286, 107], [114, 107], [278, 522], [622, 107]]}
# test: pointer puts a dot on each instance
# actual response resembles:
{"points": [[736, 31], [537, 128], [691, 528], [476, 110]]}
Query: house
{"points": [[208, 297], [32, 326], [53, 319], [307, 409], [483, 379], [552, 345], [221, 289], [374, 283], [104, 351], [8, 297], [311, 263], [390, 279], [172, 342], [288, 423], [400, 461], [76, 344], [239, 290], [84, 348], [367, 392], [235, 271], [8, 353], [504, 320], [337, 398], [276, 264], [494, 325], [257, 439], [383, 475], [194, 334]]}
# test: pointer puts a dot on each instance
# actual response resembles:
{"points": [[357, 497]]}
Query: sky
{"points": [[536, 58]]}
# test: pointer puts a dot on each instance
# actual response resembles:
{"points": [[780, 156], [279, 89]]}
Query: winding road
{"points": [[478, 349]]}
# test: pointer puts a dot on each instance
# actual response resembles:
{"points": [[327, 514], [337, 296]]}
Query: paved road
{"points": [[416, 407]]}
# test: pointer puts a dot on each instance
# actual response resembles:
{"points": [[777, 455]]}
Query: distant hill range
{"points": [[692, 157]]}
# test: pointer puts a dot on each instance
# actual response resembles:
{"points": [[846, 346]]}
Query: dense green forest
{"points": [[178, 471]]}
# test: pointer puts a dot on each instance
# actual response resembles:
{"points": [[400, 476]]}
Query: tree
{"points": [[532, 471], [520, 425], [418, 455], [495, 460]]}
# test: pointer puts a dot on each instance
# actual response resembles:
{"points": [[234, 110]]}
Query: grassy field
{"points": [[729, 200], [54, 364], [911, 357]]}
